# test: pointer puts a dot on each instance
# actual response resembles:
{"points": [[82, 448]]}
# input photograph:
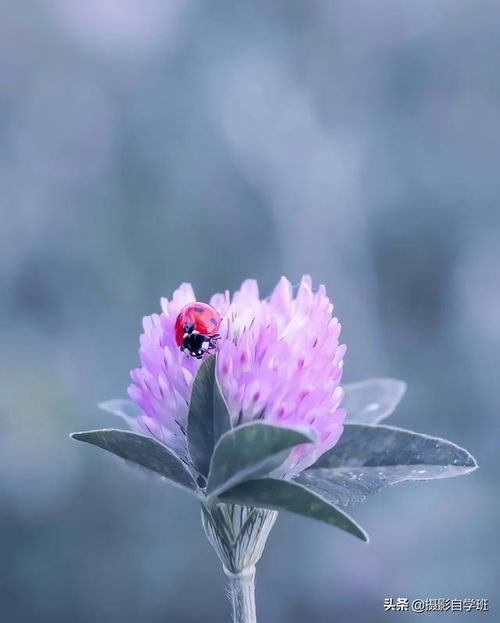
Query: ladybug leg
{"points": [[212, 342]]}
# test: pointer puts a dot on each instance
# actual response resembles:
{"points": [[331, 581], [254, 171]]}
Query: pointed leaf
{"points": [[208, 416], [395, 454], [144, 451], [283, 495], [250, 450], [369, 458], [370, 401]]}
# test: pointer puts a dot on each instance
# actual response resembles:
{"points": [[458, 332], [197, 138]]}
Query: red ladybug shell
{"points": [[204, 317]]}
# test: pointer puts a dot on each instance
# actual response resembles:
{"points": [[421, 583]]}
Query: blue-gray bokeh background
{"points": [[146, 142]]}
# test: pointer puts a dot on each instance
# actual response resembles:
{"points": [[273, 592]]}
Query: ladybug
{"points": [[196, 329]]}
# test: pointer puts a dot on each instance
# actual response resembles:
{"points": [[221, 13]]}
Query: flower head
{"points": [[278, 360]]}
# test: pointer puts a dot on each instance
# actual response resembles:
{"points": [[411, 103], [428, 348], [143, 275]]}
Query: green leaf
{"points": [[369, 458], [344, 486], [283, 495], [221, 416], [250, 450], [370, 401], [363, 445], [144, 451], [208, 416]]}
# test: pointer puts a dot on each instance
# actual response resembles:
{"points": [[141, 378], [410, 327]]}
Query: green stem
{"points": [[242, 594]]}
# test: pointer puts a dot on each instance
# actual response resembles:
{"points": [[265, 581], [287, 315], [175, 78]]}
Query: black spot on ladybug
{"points": [[200, 310], [213, 320]]}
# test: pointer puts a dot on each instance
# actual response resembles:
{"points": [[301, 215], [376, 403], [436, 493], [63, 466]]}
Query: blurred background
{"points": [[147, 142]]}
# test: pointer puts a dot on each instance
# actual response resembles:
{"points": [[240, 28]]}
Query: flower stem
{"points": [[242, 594]]}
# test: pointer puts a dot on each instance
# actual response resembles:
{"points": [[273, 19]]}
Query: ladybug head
{"points": [[196, 344]]}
